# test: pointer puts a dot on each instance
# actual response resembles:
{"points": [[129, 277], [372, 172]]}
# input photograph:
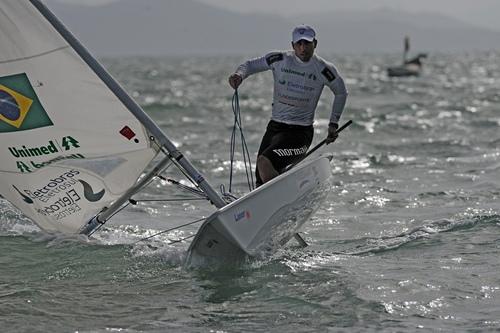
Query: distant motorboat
{"points": [[410, 67], [399, 71]]}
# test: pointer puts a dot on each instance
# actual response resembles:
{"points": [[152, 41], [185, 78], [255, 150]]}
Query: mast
{"points": [[406, 49], [131, 105]]}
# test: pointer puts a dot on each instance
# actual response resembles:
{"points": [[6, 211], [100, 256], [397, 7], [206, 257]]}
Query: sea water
{"points": [[407, 241]]}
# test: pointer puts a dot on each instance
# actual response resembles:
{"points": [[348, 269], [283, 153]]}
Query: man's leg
{"points": [[266, 169], [281, 145], [265, 143]]}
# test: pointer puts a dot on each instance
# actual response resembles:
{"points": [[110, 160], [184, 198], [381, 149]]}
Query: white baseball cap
{"points": [[303, 32]]}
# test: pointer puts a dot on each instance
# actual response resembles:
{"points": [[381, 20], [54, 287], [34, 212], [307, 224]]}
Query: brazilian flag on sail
{"points": [[20, 108]]}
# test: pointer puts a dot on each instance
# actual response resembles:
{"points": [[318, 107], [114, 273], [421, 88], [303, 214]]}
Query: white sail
{"points": [[69, 146]]}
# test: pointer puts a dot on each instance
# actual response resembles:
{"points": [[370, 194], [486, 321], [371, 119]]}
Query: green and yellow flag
{"points": [[20, 108]]}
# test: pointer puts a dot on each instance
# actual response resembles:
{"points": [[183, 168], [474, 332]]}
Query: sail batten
{"points": [[33, 56]]}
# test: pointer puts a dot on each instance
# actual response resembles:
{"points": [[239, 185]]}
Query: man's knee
{"points": [[264, 161], [266, 168]]}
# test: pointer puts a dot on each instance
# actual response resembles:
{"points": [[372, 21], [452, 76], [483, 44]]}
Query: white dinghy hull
{"points": [[266, 218]]}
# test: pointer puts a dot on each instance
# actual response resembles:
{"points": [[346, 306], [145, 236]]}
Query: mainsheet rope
{"points": [[246, 154]]}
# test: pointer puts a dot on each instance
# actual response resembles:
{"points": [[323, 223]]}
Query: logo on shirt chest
{"points": [[293, 72], [299, 88]]}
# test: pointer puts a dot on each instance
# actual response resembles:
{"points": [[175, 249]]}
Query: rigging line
{"points": [[158, 174], [227, 195], [185, 187], [181, 169], [174, 162], [233, 144], [171, 229], [180, 240], [246, 154], [166, 168], [236, 124], [134, 202], [151, 180]]}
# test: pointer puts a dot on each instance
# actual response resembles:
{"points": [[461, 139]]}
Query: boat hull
{"points": [[266, 218], [401, 71]]}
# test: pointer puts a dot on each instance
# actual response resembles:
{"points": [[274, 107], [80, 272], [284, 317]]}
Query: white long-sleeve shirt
{"points": [[298, 85]]}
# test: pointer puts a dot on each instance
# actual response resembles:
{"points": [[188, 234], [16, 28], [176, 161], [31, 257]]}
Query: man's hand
{"points": [[235, 80], [332, 133]]}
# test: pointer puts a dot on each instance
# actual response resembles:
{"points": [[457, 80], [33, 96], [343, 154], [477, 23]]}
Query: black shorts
{"points": [[284, 144]]}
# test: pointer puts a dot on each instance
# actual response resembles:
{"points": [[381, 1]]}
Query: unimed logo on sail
{"points": [[20, 108]]}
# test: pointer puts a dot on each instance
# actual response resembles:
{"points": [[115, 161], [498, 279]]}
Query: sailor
{"points": [[299, 78]]}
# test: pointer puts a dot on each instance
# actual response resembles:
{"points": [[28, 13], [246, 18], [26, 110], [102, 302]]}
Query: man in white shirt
{"points": [[299, 78]]}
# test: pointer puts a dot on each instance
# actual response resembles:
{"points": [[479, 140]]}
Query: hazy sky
{"points": [[479, 12]]}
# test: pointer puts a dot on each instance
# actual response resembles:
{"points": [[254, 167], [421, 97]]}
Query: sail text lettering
{"points": [[63, 206]]}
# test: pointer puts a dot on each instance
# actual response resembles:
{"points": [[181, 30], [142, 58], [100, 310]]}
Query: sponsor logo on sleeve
{"points": [[328, 74], [274, 58], [20, 108]]}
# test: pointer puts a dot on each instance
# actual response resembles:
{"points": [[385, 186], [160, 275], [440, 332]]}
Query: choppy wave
{"points": [[406, 239], [428, 230]]}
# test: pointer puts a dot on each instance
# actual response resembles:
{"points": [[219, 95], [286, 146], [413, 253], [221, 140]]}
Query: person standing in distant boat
{"points": [[299, 78]]}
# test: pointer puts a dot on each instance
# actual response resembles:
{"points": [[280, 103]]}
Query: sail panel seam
{"points": [[34, 56]]}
